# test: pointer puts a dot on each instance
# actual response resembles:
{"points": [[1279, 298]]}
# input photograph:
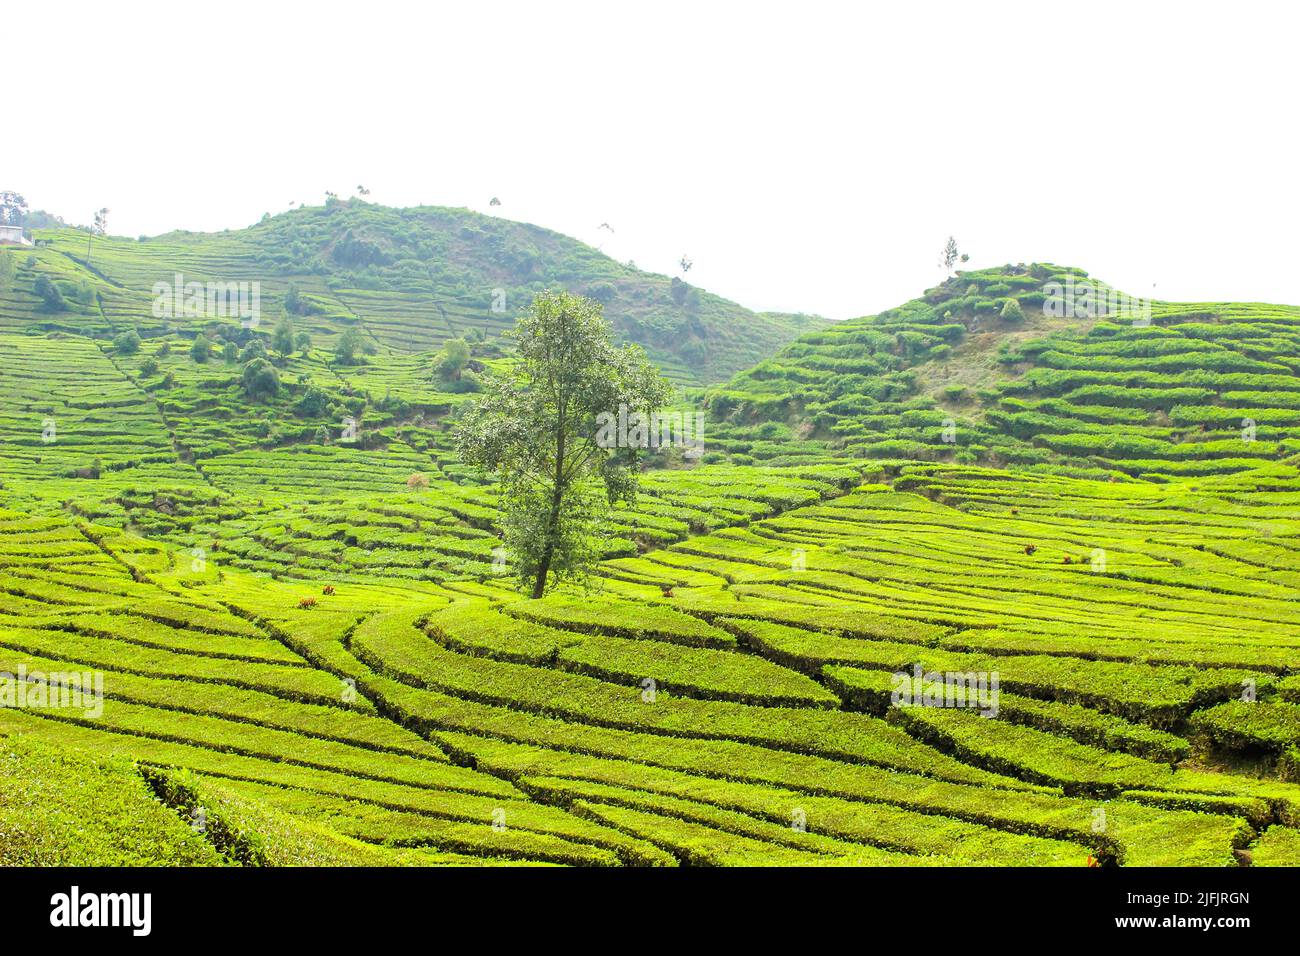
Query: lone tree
{"points": [[282, 336], [100, 228], [451, 361], [537, 429], [950, 255]]}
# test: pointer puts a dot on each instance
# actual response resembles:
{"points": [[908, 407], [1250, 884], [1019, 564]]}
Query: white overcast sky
{"points": [[808, 157]]}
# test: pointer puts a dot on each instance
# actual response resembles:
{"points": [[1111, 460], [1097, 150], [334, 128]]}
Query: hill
{"points": [[957, 375], [406, 279]]}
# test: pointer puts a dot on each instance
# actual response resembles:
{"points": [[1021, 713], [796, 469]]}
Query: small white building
{"points": [[13, 236]]}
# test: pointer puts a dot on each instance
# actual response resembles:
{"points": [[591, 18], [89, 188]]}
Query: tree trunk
{"points": [[548, 552], [557, 499], [539, 585]]}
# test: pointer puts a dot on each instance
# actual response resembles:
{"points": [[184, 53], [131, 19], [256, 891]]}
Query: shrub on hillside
{"points": [[127, 343], [282, 336], [51, 297], [260, 379], [253, 349], [347, 347], [955, 392], [314, 404], [451, 361]]}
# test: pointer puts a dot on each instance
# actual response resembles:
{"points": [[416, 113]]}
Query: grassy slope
{"points": [[407, 278], [68, 808], [768, 672], [945, 377]]}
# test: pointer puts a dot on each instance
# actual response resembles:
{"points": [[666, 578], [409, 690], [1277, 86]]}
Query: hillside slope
{"points": [[408, 279], [458, 719], [957, 375]]}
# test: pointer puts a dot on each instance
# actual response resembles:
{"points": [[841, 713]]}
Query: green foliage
{"points": [[537, 430], [127, 343], [450, 362], [282, 337], [347, 347], [1241, 725], [254, 348], [51, 298], [201, 349], [259, 379], [314, 403], [734, 658], [71, 808]]}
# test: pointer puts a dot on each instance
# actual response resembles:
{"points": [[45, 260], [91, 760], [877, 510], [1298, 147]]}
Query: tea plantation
{"points": [[312, 651]]}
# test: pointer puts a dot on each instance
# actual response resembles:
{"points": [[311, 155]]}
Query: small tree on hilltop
{"points": [[13, 208], [100, 228], [1012, 312], [538, 431], [950, 255]]}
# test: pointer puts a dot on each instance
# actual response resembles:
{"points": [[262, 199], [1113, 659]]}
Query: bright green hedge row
{"points": [[620, 618], [295, 683], [1241, 725], [66, 807], [1032, 754], [1139, 835], [401, 651], [1277, 846]]}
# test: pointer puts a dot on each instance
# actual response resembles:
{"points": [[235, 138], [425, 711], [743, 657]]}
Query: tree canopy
{"points": [[536, 428]]}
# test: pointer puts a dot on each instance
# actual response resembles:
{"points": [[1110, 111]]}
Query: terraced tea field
{"points": [[1178, 389], [722, 700], [943, 592]]}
